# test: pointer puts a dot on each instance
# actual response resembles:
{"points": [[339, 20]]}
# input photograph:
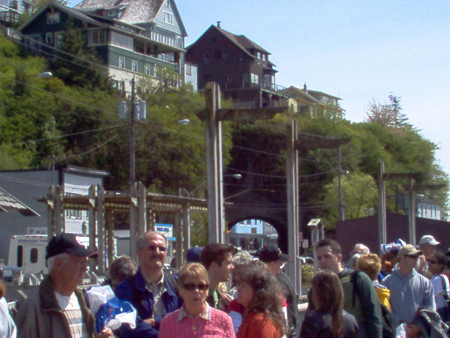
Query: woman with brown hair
{"points": [[328, 320], [260, 293]]}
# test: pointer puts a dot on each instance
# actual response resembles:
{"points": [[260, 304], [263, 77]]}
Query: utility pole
{"points": [[381, 206], [341, 202], [132, 172]]}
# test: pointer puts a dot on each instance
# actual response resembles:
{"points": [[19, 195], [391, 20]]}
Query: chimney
{"points": [[218, 24], [305, 88]]}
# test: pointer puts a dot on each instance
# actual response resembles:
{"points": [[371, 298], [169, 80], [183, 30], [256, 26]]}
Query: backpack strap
{"points": [[172, 282], [353, 280], [444, 285]]}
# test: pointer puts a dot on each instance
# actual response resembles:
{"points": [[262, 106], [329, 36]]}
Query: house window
{"points": [[122, 63], [229, 77], [97, 37], [168, 4], [111, 13], [245, 77], [224, 54], [258, 55], [122, 40], [188, 70], [147, 70], [168, 18], [255, 78], [206, 58], [49, 38], [134, 66], [53, 18], [58, 40]]}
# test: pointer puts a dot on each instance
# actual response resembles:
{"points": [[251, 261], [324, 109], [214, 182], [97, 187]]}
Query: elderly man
{"points": [[151, 290], [58, 308], [409, 290], [428, 245]]}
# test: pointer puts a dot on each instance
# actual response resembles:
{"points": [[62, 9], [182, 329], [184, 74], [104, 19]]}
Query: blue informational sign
{"points": [[166, 230]]}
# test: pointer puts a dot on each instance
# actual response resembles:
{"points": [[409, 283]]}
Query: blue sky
{"points": [[357, 50]]}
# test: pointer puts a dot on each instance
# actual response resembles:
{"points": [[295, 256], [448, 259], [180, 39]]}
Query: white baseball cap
{"points": [[428, 239]]}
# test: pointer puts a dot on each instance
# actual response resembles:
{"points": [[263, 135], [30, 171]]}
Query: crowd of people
{"points": [[404, 293]]}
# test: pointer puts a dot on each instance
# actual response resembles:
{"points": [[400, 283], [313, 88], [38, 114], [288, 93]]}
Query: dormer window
{"points": [[168, 18], [111, 13], [53, 18]]}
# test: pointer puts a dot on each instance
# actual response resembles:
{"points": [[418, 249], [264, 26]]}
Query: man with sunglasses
{"points": [[409, 290], [151, 290]]}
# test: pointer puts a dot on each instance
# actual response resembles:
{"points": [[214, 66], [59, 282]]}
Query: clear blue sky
{"points": [[357, 50]]}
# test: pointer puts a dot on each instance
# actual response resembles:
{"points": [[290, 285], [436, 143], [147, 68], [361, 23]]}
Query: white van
{"points": [[28, 252]]}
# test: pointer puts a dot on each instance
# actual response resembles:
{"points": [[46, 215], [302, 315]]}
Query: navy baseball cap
{"points": [[272, 254], [193, 254], [69, 244]]}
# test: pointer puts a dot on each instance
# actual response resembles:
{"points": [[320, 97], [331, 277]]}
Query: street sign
{"points": [[305, 244]]}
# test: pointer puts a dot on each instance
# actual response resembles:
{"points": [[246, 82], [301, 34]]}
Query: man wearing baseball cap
{"points": [[428, 245], [409, 290], [275, 259], [58, 308]]}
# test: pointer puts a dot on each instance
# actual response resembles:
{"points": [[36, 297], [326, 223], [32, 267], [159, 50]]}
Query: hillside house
{"points": [[240, 66], [141, 39]]}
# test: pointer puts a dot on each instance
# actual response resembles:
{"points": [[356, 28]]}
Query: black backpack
{"points": [[386, 317]]}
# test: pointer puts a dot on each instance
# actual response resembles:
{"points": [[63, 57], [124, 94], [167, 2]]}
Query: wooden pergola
{"points": [[142, 207]]}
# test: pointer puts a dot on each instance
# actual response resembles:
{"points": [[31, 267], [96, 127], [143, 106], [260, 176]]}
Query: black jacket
{"points": [[318, 325]]}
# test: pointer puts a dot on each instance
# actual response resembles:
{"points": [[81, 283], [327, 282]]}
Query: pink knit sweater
{"points": [[211, 324]]}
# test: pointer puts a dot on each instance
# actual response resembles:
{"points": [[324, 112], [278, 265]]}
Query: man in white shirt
{"points": [[58, 308]]}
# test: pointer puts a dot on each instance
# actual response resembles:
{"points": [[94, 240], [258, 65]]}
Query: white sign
{"points": [[164, 229], [305, 244], [37, 231]]}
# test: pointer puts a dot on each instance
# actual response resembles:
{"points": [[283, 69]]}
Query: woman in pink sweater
{"points": [[195, 318]]}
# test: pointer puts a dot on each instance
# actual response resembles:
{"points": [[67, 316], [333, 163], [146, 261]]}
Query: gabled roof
{"points": [[9, 202], [301, 94], [73, 12], [135, 11], [241, 41]]}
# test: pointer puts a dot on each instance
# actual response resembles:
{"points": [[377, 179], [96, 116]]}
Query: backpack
{"points": [[388, 330]]}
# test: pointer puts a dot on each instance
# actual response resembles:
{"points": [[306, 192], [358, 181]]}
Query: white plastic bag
{"points": [[400, 331], [113, 311]]}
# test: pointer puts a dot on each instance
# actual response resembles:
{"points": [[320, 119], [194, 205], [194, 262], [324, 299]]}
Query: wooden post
{"points": [[142, 209], [186, 228], [91, 226], [214, 163], [381, 207], [59, 219], [412, 212], [178, 240], [133, 214], [293, 268], [101, 230]]}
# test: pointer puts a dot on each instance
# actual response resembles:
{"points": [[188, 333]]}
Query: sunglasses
{"points": [[192, 287], [412, 256], [429, 261], [160, 248]]}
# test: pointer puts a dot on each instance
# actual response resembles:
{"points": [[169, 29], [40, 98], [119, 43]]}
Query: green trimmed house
{"points": [[140, 38]]}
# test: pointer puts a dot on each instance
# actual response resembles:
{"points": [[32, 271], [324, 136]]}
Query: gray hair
{"points": [[51, 260], [140, 241], [242, 257], [352, 262]]}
